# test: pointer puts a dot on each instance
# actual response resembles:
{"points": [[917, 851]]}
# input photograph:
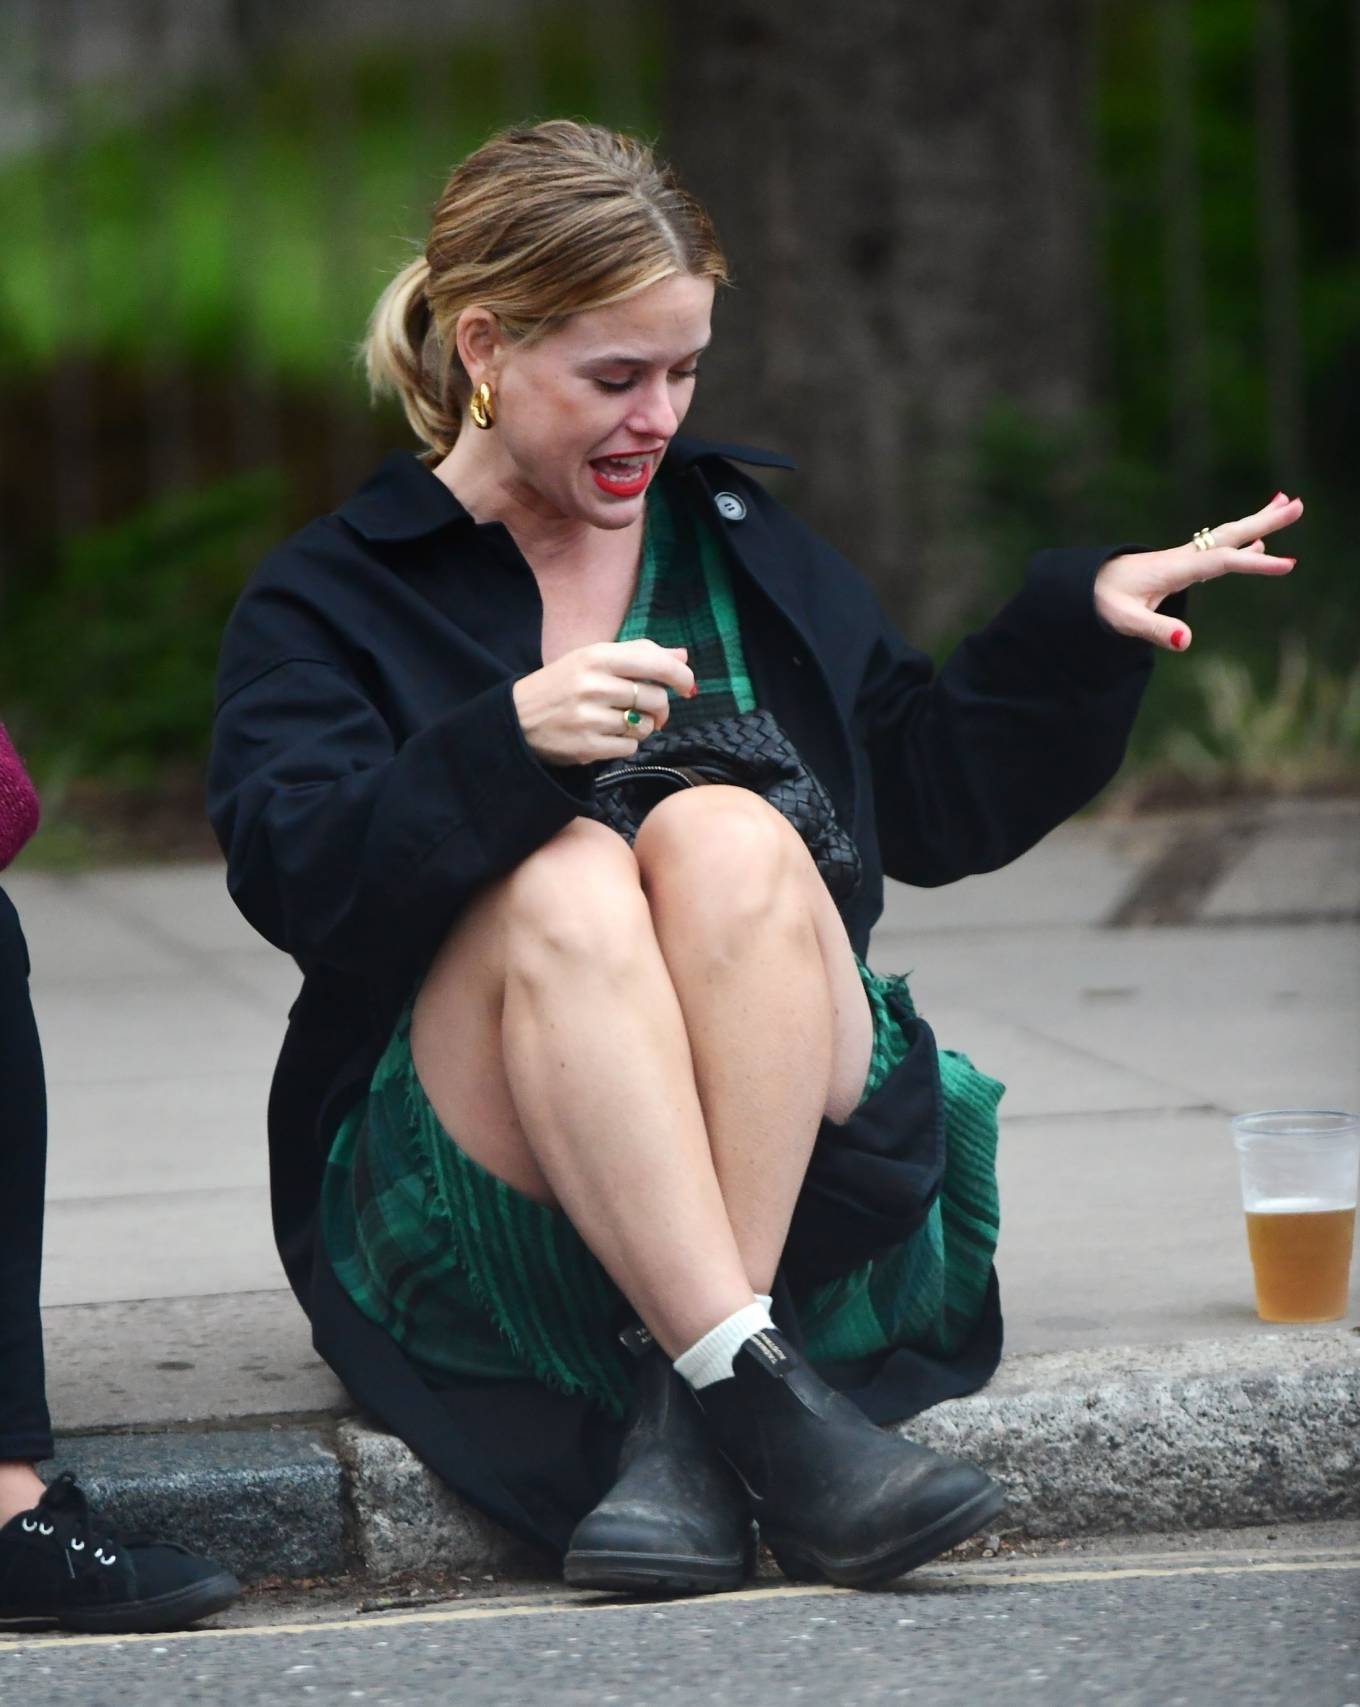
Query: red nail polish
{"points": [[694, 691], [1179, 638]]}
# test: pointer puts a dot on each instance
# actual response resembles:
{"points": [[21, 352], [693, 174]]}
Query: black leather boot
{"points": [[836, 1497], [677, 1521]]}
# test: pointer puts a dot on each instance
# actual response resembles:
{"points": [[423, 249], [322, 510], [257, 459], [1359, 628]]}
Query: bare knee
{"points": [[724, 861], [579, 900]]}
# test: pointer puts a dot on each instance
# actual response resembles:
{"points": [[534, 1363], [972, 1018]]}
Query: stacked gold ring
{"points": [[1204, 539]]}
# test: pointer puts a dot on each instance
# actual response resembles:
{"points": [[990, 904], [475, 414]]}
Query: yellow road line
{"points": [[983, 1577], [1018, 1578]]}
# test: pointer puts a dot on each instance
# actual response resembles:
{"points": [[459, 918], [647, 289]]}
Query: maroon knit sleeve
{"points": [[18, 801]]}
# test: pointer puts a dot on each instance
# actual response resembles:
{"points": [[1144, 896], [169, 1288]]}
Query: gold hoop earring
{"points": [[481, 408]]}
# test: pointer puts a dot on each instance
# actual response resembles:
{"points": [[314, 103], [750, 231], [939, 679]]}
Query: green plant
{"points": [[109, 661], [254, 221], [1303, 732]]}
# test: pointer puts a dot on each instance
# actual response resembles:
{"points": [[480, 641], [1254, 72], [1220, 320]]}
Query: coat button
{"points": [[730, 507]]}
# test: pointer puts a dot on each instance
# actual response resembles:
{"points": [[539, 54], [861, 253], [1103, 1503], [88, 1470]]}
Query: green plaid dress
{"points": [[473, 1279]]}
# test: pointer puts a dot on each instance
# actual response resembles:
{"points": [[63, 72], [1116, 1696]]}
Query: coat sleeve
{"points": [[1025, 722], [352, 852]]}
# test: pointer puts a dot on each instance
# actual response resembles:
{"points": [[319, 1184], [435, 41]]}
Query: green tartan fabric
{"points": [[684, 598], [469, 1276], [473, 1279], [929, 1292]]}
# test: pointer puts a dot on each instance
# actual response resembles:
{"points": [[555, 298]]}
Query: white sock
{"points": [[710, 1359], [765, 1298]]}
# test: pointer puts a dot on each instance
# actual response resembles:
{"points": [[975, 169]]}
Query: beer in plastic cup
{"points": [[1300, 1172]]}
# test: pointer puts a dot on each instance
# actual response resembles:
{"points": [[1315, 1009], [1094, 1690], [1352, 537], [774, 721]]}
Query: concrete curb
{"points": [[1219, 1434], [407, 1521], [1225, 1434], [264, 1502]]}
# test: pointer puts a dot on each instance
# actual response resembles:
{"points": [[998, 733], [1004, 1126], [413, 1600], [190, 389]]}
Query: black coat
{"points": [[369, 776]]}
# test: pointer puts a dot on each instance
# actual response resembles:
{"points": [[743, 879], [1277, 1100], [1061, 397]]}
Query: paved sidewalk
{"points": [[1124, 1047]]}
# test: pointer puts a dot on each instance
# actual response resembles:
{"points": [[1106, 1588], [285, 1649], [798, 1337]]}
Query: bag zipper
{"points": [[630, 771]]}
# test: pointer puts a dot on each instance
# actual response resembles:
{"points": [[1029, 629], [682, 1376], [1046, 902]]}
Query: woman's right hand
{"points": [[572, 711]]}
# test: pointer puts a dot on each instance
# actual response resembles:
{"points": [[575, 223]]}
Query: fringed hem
{"points": [[421, 1235]]}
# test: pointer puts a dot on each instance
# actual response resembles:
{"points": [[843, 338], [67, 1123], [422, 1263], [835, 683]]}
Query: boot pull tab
{"points": [[767, 1344], [637, 1340]]}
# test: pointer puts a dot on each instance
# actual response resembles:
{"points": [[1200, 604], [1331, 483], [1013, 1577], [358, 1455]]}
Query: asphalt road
{"points": [[1240, 1626]]}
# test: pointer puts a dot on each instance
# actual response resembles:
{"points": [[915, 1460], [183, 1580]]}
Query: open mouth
{"points": [[622, 476]]}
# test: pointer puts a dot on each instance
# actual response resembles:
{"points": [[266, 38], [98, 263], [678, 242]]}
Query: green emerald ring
{"points": [[632, 719]]}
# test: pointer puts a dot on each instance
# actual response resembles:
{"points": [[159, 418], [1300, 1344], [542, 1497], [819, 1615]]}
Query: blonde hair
{"points": [[541, 222]]}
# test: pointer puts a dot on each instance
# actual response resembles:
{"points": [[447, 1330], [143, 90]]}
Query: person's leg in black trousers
{"points": [[58, 1565], [25, 1431]]}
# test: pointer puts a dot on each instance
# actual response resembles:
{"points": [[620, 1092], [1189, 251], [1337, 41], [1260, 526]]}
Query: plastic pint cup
{"points": [[1300, 1172]]}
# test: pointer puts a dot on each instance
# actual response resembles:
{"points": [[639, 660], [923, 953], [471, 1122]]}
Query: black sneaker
{"points": [[62, 1569]]}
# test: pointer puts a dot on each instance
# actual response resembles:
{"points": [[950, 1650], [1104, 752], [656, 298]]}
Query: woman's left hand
{"points": [[1129, 589]]}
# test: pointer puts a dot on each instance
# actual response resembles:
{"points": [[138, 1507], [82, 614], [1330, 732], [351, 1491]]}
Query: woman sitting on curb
{"points": [[567, 1118], [59, 1565]]}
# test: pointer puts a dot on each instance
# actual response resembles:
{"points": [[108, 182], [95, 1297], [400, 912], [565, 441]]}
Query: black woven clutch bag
{"points": [[749, 750]]}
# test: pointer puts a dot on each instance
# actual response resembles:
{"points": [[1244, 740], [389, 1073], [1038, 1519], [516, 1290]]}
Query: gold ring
{"points": [[1204, 539], [631, 719], [637, 688]]}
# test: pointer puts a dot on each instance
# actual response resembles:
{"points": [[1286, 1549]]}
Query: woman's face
{"points": [[584, 416]]}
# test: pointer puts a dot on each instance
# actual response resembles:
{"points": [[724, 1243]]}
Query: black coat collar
{"points": [[403, 500]]}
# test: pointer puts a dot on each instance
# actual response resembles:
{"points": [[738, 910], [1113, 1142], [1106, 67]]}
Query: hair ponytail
{"points": [[402, 357], [540, 223]]}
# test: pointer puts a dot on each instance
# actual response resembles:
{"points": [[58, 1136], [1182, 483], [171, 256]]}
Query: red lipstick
{"points": [[618, 484]]}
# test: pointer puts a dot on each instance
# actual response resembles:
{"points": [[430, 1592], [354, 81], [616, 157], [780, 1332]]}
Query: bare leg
{"points": [[21, 1487], [778, 1024], [550, 1042]]}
